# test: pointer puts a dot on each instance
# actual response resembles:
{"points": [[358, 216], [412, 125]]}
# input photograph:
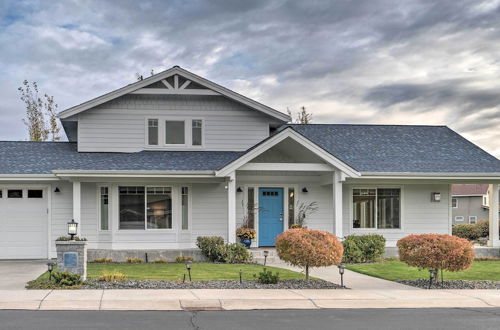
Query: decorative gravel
{"points": [[283, 284], [452, 284]]}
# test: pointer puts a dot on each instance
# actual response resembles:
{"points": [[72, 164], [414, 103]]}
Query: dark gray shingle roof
{"points": [[43, 157], [400, 149]]}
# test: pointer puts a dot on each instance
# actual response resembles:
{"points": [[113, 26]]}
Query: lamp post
{"points": [[72, 228], [341, 272], [188, 267], [266, 254], [50, 268], [432, 276]]}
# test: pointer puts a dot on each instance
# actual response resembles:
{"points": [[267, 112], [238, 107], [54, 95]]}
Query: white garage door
{"points": [[23, 222]]}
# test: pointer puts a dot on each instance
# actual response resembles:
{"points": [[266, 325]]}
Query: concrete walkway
{"points": [[352, 279], [15, 274], [200, 299]]}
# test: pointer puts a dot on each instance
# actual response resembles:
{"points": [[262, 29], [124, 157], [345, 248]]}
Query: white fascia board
{"points": [[469, 195], [287, 133], [165, 74], [135, 174], [416, 175], [28, 177]]}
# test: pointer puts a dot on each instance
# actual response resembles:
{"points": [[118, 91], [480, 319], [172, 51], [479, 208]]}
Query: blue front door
{"points": [[270, 215]]}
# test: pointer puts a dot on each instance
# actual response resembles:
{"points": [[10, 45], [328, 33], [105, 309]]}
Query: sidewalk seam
{"points": [[478, 298], [100, 301], [41, 301], [310, 299]]}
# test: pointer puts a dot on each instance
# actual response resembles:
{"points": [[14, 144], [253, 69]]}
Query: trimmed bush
{"points": [[209, 246], [436, 252], [112, 277], [267, 277], [66, 279], [160, 261], [102, 261], [307, 248], [483, 228], [466, 230], [363, 248], [134, 261], [235, 253], [183, 259]]}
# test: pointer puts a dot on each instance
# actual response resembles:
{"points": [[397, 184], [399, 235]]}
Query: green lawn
{"points": [[175, 271], [396, 270]]}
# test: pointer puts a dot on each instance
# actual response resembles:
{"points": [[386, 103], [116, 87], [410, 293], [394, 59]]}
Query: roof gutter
{"points": [[134, 174], [430, 175]]}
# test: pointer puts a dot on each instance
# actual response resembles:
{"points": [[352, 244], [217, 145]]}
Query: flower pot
{"points": [[246, 241]]}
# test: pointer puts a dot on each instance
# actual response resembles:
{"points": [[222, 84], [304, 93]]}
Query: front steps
{"points": [[258, 255]]}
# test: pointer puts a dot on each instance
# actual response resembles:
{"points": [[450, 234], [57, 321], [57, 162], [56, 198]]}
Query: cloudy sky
{"points": [[391, 62]]}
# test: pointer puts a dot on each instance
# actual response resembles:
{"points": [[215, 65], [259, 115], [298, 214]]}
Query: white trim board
{"points": [[274, 140], [176, 70]]}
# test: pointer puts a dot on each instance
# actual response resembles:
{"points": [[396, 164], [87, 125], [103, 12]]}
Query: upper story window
{"points": [[454, 203], [153, 132], [175, 133], [197, 127]]}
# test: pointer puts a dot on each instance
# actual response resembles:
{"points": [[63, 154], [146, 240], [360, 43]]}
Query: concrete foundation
{"points": [[480, 251], [145, 255]]}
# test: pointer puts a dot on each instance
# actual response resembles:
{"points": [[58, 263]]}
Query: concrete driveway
{"points": [[15, 273]]}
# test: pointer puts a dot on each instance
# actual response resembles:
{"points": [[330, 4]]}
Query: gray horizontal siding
{"points": [[119, 125]]}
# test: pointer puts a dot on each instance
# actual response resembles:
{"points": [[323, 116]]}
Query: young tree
{"points": [[41, 119], [303, 117]]}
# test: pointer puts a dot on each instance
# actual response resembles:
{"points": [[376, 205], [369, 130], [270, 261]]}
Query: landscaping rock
{"points": [[452, 284], [283, 284]]}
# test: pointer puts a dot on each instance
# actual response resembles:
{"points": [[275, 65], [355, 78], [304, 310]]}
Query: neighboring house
{"points": [[470, 203], [159, 162]]}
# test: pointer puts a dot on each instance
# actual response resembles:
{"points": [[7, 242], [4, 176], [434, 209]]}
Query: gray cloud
{"points": [[367, 61]]}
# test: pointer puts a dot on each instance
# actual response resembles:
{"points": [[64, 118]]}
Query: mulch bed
{"points": [[452, 284], [283, 284]]}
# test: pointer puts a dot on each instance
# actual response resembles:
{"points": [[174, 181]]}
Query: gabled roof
{"points": [[44, 157], [176, 70], [469, 189], [400, 149]]}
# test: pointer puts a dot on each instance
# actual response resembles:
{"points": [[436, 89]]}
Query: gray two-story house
{"points": [[157, 163]]}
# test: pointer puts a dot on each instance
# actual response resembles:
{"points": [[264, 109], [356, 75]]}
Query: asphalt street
{"points": [[458, 318]]}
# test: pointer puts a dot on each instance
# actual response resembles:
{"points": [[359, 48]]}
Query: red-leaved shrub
{"points": [[437, 252], [309, 248]]}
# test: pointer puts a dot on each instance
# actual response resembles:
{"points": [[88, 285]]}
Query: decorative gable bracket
{"points": [[175, 88]]}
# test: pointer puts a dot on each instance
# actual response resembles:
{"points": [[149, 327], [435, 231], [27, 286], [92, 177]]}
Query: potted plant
{"points": [[246, 235]]}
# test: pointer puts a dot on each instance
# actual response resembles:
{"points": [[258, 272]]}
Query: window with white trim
{"points": [[185, 208], [104, 208], [377, 208], [472, 219], [459, 218], [454, 203], [175, 132], [147, 207], [153, 132], [196, 132]]}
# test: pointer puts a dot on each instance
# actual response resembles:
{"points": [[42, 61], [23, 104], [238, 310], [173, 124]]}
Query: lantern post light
{"points": [[266, 254], [341, 272], [188, 267], [72, 228], [50, 268], [432, 276]]}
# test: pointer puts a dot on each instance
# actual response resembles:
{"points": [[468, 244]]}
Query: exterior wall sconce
{"points": [[72, 228], [57, 190], [435, 197], [239, 190], [304, 190]]}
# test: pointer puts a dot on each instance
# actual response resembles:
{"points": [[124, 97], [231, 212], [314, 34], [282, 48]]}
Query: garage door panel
{"points": [[23, 226]]}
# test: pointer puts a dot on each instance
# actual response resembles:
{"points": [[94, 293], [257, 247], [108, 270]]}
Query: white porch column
{"points": [[337, 203], [77, 205], [494, 223], [231, 208]]}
